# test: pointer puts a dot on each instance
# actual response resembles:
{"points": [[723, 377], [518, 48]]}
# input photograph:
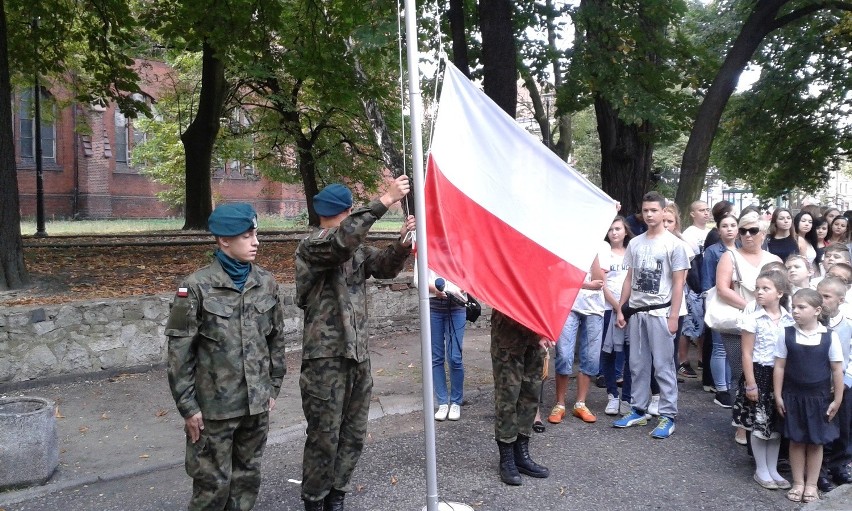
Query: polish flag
{"points": [[508, 221]]}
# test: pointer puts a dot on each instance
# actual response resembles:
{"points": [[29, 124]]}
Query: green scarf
{"points": [[237, 270]]}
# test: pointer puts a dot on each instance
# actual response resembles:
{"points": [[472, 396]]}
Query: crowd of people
{"points": [[783, 370], [778, 358]]}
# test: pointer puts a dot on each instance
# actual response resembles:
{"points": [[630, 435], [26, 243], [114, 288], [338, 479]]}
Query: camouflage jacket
{"points": [[507, 332], [331, 273], [226, 347]]}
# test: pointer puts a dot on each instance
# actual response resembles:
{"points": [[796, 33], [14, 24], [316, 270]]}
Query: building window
{"points": [[26, 118], [127, 136]]}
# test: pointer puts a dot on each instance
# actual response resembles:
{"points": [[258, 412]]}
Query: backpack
{"points": [[693, 276]]}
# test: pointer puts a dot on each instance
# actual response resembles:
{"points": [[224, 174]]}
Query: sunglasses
{"points": [[751, 230]]}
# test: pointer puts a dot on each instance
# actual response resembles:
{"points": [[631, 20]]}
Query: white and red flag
{"points": [[508, 220]]}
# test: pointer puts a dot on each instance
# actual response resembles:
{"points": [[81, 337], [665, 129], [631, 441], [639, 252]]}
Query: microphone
{"points": [[440, 284]]}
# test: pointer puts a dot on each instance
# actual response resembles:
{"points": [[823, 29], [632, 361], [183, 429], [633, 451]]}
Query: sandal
{"points": [[538, 427], [810, 496], [795, 493]]}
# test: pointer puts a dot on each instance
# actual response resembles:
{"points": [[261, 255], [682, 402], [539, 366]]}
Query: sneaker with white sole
{"points": [[611, 405], [443, 411], [664, 428], [654, 406], [634, 418], [455, 412]]}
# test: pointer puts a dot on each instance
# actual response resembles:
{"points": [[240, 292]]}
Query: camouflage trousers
{"points": [[336, 400], [517, 370], [224, 463]]}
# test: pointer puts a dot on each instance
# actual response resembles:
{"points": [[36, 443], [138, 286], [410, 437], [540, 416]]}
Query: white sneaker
{"points": [[441, 414], [654, 407], [611, 405], [625, 407], [455, 412]]}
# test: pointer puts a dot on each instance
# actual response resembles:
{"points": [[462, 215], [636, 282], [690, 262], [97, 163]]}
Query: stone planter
{"points": [[29, 443]]}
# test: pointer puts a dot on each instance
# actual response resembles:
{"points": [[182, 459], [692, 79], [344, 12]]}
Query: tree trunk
{"points": [[308, 171], [394, 160], [563, 145], [499, 56], [13, 271], [199, 138], [626, 153], [457, 31], [693, 169]]}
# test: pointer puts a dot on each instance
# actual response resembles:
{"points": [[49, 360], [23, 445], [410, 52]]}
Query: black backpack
{"points": [[693, 276]]}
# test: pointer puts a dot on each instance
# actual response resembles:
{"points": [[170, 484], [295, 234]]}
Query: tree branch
{"points": [[809, 9]]}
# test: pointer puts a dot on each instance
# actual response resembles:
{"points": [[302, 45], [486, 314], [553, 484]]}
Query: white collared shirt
{"points": [[766, 332], [835, 351]]}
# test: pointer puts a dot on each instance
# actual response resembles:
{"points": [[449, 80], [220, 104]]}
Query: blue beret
{"points": [[232, 219], [332, 200]]}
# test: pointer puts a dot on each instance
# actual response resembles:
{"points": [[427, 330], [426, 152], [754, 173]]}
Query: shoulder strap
{"points": [[736, 265], [789, 336]]}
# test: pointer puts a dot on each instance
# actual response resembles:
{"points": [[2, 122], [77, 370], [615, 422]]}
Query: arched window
{"points": [[26, 124]]}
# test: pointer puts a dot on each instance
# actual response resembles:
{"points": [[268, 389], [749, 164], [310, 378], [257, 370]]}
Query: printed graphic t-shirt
{"points": [[652, 262]]}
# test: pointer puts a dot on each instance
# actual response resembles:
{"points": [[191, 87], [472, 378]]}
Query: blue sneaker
{"points": [[634, 418], [664, 428]]}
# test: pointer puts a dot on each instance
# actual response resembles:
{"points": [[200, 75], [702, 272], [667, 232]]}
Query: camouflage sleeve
{"points": [[181, 330], [277, 347], [328, 248], [388, 262]]}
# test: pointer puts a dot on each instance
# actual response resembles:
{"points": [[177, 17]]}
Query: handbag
{"points": [[472, 309], [719, 315]]}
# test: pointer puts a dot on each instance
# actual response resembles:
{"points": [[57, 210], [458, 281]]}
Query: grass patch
{"points": [[88, 227]]}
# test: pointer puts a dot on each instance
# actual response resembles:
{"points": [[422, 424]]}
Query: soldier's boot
{"points": [[334, 500], [314, 505], [524, 463], [508, 471]]}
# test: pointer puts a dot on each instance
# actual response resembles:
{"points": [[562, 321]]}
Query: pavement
{"points": [[124, 431]]}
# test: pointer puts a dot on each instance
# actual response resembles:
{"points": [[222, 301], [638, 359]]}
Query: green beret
{"points": [[232, 219], [332, 200]]}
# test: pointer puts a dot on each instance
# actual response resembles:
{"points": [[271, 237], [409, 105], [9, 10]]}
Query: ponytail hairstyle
{"points": [[813, 299], [781, 284]]}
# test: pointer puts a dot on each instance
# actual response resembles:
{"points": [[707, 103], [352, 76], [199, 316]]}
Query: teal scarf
{"points": [[237, 270]]}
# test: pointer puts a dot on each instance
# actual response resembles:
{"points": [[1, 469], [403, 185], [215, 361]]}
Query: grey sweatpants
{"points": [[651, 343]]}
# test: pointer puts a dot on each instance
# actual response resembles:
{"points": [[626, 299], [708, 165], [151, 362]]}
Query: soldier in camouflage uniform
{"points": [[332, 267], [517, 359], [226, 363]]}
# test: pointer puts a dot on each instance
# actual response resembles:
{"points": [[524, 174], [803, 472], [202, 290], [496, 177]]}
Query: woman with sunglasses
{"points": [[741, 266]]}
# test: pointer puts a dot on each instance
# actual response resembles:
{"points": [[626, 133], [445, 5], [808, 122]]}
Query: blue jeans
{"points": [[719, 363], [447, 323], [585, 331], [612, 365]]}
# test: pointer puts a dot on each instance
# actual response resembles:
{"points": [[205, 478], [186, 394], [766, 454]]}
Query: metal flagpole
{"points": [[416, 113]]}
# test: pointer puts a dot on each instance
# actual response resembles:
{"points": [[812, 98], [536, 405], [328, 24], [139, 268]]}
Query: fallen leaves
{"points": [[162, 412], [394, 480], [84, 429], [58, 414], [144, 456]]}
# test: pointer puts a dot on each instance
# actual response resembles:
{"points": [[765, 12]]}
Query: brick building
{"points": [[90, 175]]}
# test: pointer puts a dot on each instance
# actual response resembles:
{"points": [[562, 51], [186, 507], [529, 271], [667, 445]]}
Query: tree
{"points": [[209, 27], [81, 45], [795, 114], [499, 55], [634, 64], [763, 18]]}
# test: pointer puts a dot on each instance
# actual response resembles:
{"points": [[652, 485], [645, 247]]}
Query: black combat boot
{"points": [[334, 500], [314, 505], [524, 463], [508, 471]]}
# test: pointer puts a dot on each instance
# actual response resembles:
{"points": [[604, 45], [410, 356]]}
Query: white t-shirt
{"points": [[695, 237], [835, 351], [652, 262], [615, 276], [590, 301]]}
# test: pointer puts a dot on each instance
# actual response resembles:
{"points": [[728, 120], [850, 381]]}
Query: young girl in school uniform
{"points": [[808, 361], [754, 408]]}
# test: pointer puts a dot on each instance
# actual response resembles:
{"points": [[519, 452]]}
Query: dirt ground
{"points": [[77, 268]]}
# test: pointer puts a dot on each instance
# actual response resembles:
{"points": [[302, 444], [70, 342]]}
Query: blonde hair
{"points": [[753, 218]]}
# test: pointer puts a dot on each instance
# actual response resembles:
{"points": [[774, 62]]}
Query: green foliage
{"points": [[637, 57], [791, 129], [587, 145], [83, 45]]}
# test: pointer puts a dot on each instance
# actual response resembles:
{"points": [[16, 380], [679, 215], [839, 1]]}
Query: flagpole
{"points": [[415, 106]]}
